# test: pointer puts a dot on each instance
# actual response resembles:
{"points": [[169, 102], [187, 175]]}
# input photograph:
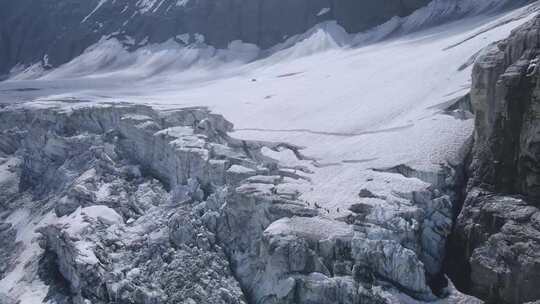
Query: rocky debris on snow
{"points": [[495, 244]]}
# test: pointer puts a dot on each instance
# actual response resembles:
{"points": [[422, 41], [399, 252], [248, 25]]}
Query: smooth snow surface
{"points": [[354, 106]]}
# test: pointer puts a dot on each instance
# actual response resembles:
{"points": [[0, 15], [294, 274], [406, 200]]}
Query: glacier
{"points": [[300, 170]]}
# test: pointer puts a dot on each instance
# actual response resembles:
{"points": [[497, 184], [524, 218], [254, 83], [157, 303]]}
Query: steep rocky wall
{"points": [[504, 97], [496, 244], [56, 31]]}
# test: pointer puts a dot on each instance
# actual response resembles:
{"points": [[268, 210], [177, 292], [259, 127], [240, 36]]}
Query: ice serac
{"points": [[54, 32], [497, 232], [107, 218], [133, 205]]}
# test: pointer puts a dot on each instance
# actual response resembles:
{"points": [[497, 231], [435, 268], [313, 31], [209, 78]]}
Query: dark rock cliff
{"points": [[496, 243], [56, 31], [505, 96]]}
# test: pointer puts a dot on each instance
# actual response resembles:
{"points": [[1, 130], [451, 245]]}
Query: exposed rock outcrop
{"points": [[500, 236], [496, 241], [504, 97]]}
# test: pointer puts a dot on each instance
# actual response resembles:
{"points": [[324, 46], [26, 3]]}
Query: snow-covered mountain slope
{"points": [[54, 32], [367, 136], [51, 33]]}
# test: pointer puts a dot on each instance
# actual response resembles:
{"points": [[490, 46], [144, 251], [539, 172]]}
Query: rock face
{"points": [[496, 242], [505, 99], [55, 32], [500, 237]]}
